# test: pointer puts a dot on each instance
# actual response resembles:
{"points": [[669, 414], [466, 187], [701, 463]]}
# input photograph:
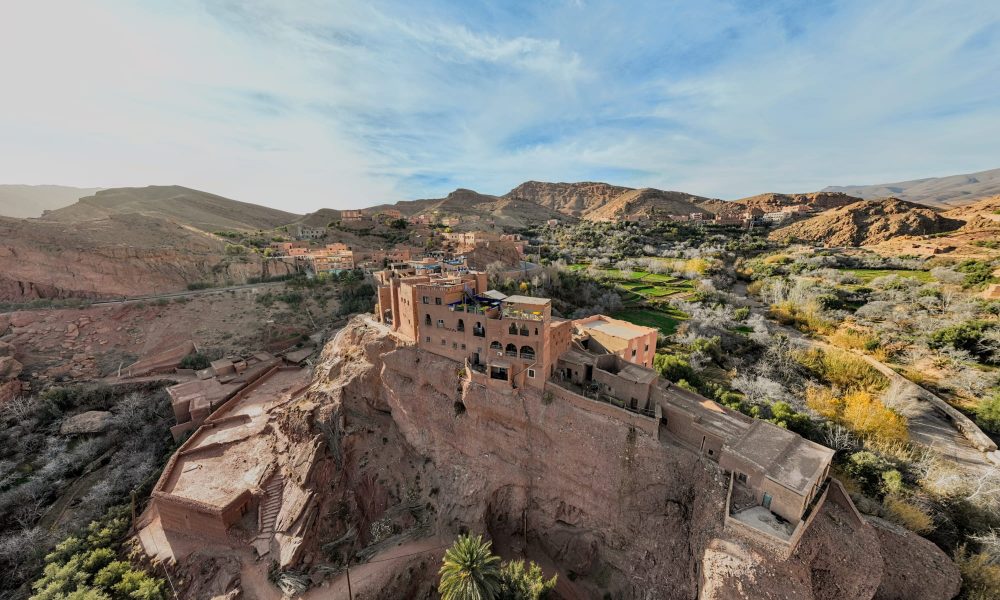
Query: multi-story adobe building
{"points": [[352, 216], [514, 342]]}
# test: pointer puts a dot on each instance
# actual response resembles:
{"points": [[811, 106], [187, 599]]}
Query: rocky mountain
{"points": [[115, 255], [574, 199], [503, 211], [27, 201], [981, 215], [644, 203], [193, 208], [868, 222], [942, 192], [772, 202]]}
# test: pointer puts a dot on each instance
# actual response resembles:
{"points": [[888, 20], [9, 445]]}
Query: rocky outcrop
{"points": [[91, 421], [414, 450], [868, 222]]}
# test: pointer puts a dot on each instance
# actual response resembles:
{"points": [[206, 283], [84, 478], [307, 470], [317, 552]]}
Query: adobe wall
{"points": [[647, 425]]}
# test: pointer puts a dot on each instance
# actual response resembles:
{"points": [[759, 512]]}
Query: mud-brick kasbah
{"points": [[239, 471]]}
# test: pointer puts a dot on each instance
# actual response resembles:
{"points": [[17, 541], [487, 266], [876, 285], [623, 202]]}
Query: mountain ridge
{"points": [[949, 191]]}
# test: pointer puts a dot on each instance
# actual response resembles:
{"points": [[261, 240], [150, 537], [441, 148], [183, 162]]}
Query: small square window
{"points": [[531, 373], [443, 342], [437, 301], [428, 338], [463, 346], [426, 299], [633, 351], [454, 345]]}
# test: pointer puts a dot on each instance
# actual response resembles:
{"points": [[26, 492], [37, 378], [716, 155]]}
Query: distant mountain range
{"points": [[26, 201], [939, 192]]}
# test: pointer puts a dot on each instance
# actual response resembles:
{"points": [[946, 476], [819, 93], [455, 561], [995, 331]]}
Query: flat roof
{"points": [[633, 372], [494, 294], [528, 300], [785, 457], [617, 328]]}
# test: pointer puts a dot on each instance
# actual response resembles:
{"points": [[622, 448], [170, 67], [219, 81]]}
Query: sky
{"points": [[303, 104]]}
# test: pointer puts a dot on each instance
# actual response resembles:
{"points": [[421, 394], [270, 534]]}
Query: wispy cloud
{"points": [[317, 103]]}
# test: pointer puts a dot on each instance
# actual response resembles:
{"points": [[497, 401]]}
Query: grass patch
{"points": [[664, 320]]}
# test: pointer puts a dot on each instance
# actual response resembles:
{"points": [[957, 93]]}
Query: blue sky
{"points": [[312, 103]]}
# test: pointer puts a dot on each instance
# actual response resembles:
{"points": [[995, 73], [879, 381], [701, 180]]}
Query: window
{"points": [[524, 331], [536, 331], [527, 352], [426, 299], [512, 329], [441, 323], [478, 330], [633, 352], [443, 342], [741, 477], [437, 301], [531, 373], [461, 325], [454, 345], [647, 348], [427, 319], [428, 338], [511, 350], [496, 346], [463, 346]]}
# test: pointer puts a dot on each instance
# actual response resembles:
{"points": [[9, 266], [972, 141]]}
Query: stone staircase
{"points": [[268, 511]]}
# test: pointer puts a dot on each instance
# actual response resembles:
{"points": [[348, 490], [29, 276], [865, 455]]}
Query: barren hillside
{"points": [[945, 192], [194, 208], [27, 201], [646, 202], [868, 222], [575, 199], [116, 255]]}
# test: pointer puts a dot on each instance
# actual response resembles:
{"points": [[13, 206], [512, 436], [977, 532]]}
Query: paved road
{"points": [[927, 424]]}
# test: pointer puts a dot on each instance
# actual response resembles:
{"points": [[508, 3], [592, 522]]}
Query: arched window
{"points": [[461, 325], [478, 330], [536, 331], [524, 330], [512, 329], [512, 350], [427, 320], [496, 346], [527, 352]]}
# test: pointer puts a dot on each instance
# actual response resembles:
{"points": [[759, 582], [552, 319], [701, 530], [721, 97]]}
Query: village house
{"points": [[634, 343], [352, 216]]}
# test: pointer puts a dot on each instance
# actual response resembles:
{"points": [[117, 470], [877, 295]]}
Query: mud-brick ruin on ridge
{"points": [[514, 344]]}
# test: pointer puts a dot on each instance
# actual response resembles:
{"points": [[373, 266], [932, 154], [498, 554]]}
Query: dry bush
{"points": [[853, 339], [861, 412], [807, 317], [980, 575], [843, 370], [909, 515]]}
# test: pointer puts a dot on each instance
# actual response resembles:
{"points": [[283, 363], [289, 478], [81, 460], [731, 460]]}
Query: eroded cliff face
{"points": [[415, 451]]}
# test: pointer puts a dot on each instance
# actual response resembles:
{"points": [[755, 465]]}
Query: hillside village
{"points": [[700, 339]]}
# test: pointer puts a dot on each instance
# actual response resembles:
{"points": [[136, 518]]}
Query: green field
{"points": [[866, 275], [664, 320], [641, 285]]}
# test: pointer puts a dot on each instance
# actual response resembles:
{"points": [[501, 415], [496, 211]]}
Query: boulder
{"points": [[92, 421], [9, 367]]}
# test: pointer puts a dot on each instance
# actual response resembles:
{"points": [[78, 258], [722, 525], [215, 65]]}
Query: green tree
{"points": [[520, 581], [470, 570], [988, 413]]}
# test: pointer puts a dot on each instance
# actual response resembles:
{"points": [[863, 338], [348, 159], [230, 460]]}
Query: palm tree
{"points": [[470, 570]]}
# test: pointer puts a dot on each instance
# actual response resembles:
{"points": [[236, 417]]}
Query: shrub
{"points": [[842, 369], [673, 367], [988, 413], [980, 575], [867, 468], [196, 361], [908, 514], [861, 412], [965, 336]]}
